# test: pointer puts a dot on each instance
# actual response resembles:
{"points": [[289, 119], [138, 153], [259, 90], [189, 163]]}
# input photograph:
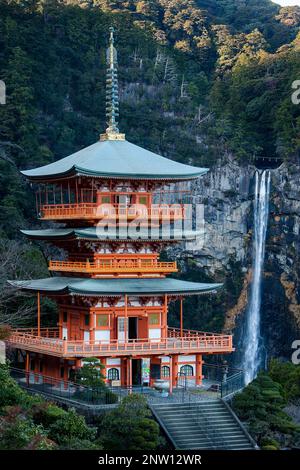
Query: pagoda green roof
{"points": [[115, 159], [90, 233], [114, 287]]}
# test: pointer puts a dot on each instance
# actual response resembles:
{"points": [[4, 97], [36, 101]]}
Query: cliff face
{"points": [[227, 193]]}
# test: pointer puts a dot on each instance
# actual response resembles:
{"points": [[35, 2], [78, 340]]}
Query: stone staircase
{"points": [[209, 424]]}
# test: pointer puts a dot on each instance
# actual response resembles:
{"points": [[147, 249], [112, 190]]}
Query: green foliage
{"points": [[91, 377], [10, 393], [257, 104], [261, 405], [130, 426], [70, 427], [288, 376], [29, 422], [47, 414], [90, 374], [19, 432]]}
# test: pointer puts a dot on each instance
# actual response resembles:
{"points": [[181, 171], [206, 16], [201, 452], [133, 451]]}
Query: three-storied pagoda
{"points": [[120, 205]]}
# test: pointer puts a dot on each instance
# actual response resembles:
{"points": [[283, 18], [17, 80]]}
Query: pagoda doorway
{"points": [[127, 329], [75, 327], [136, 372], [132, 328]]}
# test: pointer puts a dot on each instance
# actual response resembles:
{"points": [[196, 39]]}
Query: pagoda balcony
{"points": [[177, 342], [116, 266], [120, 212]]}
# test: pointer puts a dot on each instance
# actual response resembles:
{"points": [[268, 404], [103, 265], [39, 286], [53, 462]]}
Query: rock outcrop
{"points": [[227, 193]]}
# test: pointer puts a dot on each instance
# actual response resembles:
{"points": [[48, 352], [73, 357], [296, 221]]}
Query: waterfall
{"points": [[252, 341]]}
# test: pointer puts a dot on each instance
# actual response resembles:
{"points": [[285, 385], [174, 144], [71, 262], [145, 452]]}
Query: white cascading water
{"points": [[252, 351]]}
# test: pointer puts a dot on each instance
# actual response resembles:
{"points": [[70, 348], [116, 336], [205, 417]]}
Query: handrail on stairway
{"points": [[210, 432]]}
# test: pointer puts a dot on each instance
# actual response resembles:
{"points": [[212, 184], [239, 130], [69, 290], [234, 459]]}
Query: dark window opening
{"points": [[165, 371], [187, 370], [113, 374], [132, 328]]}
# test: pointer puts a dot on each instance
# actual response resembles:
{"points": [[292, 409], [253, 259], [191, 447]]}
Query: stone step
{"points": [[217, 430]]}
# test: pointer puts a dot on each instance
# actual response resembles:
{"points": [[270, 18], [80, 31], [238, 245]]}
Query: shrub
{"points": [[69, 427], [47, 414], [130, 426], [10, 392], [261, 405], [19, 432]]}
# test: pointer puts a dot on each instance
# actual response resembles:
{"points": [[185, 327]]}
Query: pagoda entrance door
{"points": [[132, 328], [75, 327], [136, 371]]}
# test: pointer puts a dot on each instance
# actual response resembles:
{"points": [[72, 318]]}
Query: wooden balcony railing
{"points": [[119, 211], [201, 343], [115, 266], [176, 333], [51, 332]]}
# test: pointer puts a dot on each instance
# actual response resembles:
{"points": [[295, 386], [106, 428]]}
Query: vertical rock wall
{"points": [[227, 193]]}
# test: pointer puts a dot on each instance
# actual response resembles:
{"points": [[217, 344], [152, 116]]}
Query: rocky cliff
{"points": [[227, 193]]}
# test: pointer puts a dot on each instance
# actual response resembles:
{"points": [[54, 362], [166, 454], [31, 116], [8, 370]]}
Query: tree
{"points": [[261, 405], [19, 432], [288, 376], [90, 374], [130, 426], [71, 428], [10, 393], [289, 16]]}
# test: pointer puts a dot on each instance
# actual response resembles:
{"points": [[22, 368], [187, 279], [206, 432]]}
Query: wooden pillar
{"points": [[171, 375], [27, 367], [126, 320], [165, 319], [199, 363], [123, 372], [92, 325], [129, 371], [39, 313], [174, 360], [65, 374], [76, 183], [36, 368], [181, 317]]}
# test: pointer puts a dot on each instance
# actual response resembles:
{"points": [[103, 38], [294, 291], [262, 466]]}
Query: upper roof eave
{"points": [[90, 233], [76, 171], [115, 287], [115, 159]]}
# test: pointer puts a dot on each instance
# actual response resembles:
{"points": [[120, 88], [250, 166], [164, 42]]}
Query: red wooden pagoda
{"points": [[120, 205]]}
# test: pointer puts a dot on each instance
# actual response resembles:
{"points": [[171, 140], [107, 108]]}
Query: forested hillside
{"points": [[198, 79]]}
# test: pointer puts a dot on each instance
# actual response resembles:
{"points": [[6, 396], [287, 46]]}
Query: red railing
{"points": [[201, 343], [109, 266], [121, 211], [51, 332], [176, 333]]}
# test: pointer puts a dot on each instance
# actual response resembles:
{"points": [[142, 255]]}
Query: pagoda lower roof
{"points": [[114, 287], [91, 233], [115, 159]]}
